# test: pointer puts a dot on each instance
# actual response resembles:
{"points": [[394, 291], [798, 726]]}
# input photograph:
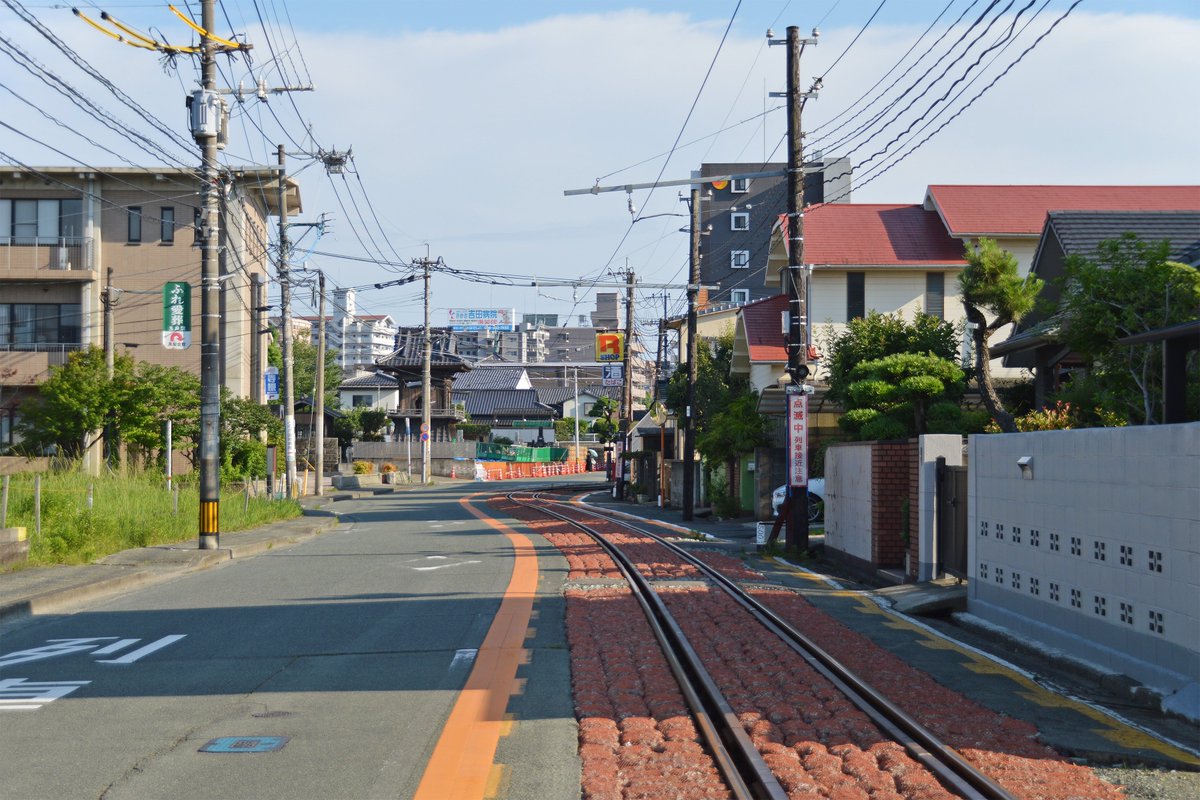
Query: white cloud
{"points": [[467, 141]]}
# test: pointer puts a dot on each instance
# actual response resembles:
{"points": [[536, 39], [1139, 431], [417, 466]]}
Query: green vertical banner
{"points": [[177, 315]]}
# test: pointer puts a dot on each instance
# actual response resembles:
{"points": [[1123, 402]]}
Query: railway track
{"points": [[743, 766]]}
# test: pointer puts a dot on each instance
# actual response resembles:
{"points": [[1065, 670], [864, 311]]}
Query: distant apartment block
{"points": [[359, 339]]}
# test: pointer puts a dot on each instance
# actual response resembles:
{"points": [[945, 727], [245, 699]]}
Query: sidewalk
{"points": [[39, 590]]}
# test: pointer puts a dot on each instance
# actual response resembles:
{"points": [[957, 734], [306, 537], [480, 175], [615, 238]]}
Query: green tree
{"points": [[304, 370], [876, 336], [730, 433], [714, 386], [72, 405], [158, 394], [605, 411], [373, 422], [900, 395], [990, 282], [564, 429], [1128, 288]]}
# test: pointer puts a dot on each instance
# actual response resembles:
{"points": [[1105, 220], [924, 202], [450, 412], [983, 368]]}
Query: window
{"points": [[935, 294], [739, 221], [856, 295], [739, 259], [166, 223], [39, 323], [740, 296], [739, 185], [41, 221], [135, 224], [360, 400]]}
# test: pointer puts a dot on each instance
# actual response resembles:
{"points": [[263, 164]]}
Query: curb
{"points": [[143, 574]]}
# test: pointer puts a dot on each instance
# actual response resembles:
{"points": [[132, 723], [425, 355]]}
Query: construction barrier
{"points": [[515, 470]]}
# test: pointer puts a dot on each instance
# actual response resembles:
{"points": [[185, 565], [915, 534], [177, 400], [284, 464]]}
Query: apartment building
{"points": [[737, 217], [359, 339], [68, 233]]}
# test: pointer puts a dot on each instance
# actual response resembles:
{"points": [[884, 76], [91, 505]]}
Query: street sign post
{"points": [[271, 383], [614, 375]]}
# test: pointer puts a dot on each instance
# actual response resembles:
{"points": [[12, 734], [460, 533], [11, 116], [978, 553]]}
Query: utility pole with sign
{"points": [[797, 336]]}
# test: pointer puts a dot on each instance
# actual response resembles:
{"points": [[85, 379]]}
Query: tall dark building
{"points": [[738, 215]]}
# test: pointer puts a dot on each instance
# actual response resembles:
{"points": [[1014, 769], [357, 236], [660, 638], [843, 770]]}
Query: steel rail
{"points": [[737, 758], [939, 758]]}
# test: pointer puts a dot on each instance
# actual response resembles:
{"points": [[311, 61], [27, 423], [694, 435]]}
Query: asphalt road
{"points": [[323, 670]]}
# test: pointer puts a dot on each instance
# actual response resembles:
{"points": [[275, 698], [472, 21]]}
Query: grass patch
{"points": [[127, 512]]}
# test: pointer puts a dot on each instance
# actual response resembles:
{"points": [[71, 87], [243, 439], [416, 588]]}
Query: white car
{"points": [[816, 499]]}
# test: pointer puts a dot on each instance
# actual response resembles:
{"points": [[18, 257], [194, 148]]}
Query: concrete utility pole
{"points": [[319, 400], [797, 338], [210, 296], [257, 291], [627, 388], [426, 385], [689, 419], [289, 358]]}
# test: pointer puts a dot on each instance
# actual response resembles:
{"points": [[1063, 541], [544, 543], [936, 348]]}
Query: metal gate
{"points": [[951, 500]]}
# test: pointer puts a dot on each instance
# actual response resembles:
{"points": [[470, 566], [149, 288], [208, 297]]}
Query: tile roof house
{"points": [[376, 390], [1033, 344], [891, 258]]}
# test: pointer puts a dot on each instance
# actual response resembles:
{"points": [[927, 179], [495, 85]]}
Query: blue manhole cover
{"points": [[245, 744]]}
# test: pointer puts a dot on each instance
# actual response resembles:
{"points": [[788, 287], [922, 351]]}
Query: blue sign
{"points": [[271, 383]]}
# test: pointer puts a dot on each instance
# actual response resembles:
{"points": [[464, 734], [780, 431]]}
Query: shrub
{"points": [[363, 467], [387, 466]]}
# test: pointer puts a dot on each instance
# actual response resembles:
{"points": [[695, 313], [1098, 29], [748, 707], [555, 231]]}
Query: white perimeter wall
{"points": [[1099, 554], [848, 499]]}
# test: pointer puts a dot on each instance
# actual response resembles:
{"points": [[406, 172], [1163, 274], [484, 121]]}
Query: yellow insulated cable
{"points": [[109, 18], [106, 31], [204, 33]]}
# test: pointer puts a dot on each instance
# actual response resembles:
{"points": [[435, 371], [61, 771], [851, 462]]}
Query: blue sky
{"points": [[469, 119]]}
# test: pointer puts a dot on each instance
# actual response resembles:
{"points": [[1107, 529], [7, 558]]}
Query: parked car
{"points": [[816, 499]]}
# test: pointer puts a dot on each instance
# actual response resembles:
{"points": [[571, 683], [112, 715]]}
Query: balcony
{"points": [[456, 413], [31, 362], [66, 258]]}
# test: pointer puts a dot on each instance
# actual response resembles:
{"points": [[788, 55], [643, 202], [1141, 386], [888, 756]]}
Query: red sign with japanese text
{"points": [[797, 439]]}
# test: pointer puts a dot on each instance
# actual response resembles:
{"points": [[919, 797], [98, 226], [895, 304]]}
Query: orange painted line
{"points": [[461, 764]]}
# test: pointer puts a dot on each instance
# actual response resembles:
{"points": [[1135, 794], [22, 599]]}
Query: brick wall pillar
{"points": [[894, 502]]}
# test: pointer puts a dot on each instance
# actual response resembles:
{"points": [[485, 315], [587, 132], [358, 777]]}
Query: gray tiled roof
{"points": [[557, 395], [491, 403], [1081, 232], [488, 379], [376, 380]]}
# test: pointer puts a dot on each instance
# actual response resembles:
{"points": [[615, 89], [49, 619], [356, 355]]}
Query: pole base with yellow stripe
{"points": [[210, 516]]}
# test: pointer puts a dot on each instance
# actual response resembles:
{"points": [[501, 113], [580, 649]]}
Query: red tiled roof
{"points": [[763, 322], [1021, 210], [874, 234]]}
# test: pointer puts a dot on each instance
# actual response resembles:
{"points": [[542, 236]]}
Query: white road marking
{"points": [[115, 646], [463, 658], [19, 694], [443, 566], [129, 658], [55, 647]]}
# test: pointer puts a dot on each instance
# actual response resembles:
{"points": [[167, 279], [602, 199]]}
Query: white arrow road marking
{"points": [[129, 658]]}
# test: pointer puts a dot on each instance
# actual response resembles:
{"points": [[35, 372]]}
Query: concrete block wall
{"points": [[848, 500], [1097, 551]]}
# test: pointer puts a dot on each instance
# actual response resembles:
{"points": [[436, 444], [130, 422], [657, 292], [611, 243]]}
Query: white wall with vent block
{"points": [[1093, 547]]}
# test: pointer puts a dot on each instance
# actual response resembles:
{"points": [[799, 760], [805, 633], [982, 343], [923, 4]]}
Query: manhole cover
{"points": [[272, 714], [245, 744]]}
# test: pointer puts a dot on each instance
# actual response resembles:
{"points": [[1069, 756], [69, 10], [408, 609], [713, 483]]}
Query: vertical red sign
{"points": [[797, 439]]}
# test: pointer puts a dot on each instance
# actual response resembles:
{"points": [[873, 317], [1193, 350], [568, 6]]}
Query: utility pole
{"points": [[627, 388], [426, 384], [256, 360], [797, 338], [289, 359], [689, 420], [319, 400], [109, 300], [210, 292]]}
